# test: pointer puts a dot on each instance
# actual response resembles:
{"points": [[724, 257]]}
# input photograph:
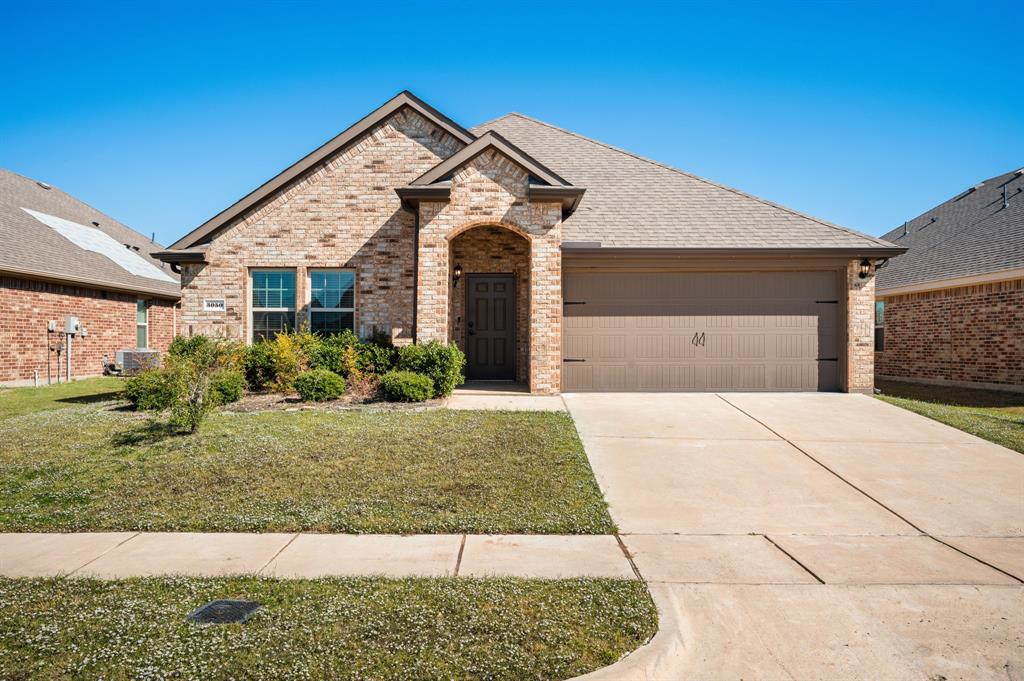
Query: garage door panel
{"points": [[701, 331]]}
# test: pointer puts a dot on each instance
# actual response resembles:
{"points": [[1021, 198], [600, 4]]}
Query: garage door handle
{"points": [[571, 359], [574, 302]]}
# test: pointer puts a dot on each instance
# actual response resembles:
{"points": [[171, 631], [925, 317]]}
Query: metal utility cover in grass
{"points": [[223, 611]]}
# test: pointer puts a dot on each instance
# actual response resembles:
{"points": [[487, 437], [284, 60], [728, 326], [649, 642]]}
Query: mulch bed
{"points": [[257, 402]]}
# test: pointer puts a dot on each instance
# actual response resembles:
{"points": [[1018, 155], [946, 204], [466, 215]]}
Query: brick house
{"points": [[60, 258], [951, 311], [552, 259]]}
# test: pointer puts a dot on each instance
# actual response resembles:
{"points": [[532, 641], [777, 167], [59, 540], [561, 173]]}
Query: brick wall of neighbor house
{"points": [[860, 330], [343, 213], [492, 190], [493, 250], [971, 334], [108, 317]]}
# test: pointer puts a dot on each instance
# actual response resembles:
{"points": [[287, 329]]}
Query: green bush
{"points": [[189, 346], [227, 385], [290, 355], [259, 365], [317, 385], [328, 355], [442, 363], [151, 390], [334, 353], [406, 386], [375, 358]]}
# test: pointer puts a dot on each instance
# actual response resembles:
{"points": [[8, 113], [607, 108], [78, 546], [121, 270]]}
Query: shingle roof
{"points": [[30, 246], [633, 202], [968, 235]]}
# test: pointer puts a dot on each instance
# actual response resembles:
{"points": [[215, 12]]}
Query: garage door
{"points": [[664, 331]]}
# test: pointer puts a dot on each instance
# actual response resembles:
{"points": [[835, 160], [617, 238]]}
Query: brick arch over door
{"points": [[490, 248]]}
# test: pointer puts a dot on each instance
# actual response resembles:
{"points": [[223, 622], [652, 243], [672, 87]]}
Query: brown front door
{"points": [[490, 327]]}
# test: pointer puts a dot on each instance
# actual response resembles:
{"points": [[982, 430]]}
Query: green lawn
{"points": [[353, 628], [99, 467], [19, 401], [993, 415]]}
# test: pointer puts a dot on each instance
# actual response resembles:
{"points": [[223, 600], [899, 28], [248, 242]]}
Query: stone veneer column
{"points": [[860, 330], [432, 277], [546, 312]]}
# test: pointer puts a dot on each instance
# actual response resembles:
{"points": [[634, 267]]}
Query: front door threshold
{"points": [[494, 387]]}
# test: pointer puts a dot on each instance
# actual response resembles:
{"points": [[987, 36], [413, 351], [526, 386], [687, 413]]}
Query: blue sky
{"points": [[865, 114]]}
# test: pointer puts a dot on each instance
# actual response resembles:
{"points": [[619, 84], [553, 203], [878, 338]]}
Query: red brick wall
{"points": [[26, 306], [972, 334]]}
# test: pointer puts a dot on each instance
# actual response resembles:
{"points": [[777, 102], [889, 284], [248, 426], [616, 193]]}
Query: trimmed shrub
{"points": [[151, 390], [259, 365], [227, 385], [406, 386], [317, 385], [442, 363]]}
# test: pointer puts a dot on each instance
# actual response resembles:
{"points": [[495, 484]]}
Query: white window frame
{"points": [[144, 325], [253, 309], [309, 295]]}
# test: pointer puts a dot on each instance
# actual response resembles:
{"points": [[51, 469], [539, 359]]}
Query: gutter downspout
{"points": [[415, 270]]}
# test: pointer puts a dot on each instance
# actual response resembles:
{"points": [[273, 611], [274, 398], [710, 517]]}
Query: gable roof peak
{"points": [[491, 140], [350, 135]]}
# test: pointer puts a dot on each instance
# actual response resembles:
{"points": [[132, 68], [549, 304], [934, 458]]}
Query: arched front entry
{"points": [[489, 303]]}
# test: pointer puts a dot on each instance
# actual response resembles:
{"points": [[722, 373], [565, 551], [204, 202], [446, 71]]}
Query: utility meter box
{"points": [[71, 325]]}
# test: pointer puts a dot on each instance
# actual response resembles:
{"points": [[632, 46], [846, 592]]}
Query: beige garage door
{"points": [[664, 331]]}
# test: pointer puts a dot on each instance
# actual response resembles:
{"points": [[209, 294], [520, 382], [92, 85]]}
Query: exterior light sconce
{"points": [[456, 275], [865, 268]]}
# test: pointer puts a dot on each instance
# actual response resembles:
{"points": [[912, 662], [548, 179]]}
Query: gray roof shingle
{"points": [[970, 234], [633, 202], [31, 247]]}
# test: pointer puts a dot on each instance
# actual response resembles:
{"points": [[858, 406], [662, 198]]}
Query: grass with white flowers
{"points": [[353, 628], [97, 467]]}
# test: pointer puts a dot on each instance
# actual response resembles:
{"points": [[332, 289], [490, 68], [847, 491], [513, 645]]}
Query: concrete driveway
{"points": [[812, 536]]}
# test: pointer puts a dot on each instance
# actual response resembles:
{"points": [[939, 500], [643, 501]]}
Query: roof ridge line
{"points": [[665, 166]]}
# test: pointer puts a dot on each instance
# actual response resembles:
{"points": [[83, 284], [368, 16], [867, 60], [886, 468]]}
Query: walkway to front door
{"points": [[490, 327]]}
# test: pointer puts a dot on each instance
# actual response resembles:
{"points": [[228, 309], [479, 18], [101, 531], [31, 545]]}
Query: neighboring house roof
{"points": [[971, 234], [48, 234], [633, 202]]}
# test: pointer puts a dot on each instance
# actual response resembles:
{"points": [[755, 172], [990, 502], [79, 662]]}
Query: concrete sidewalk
{"points": [[114, 555]]}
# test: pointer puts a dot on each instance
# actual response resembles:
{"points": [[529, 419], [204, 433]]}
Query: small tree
{"points": [[191, 374]]}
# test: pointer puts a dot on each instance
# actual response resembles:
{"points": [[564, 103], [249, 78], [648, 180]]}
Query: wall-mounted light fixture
{"points": [[865, 268], [457, 275]]}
